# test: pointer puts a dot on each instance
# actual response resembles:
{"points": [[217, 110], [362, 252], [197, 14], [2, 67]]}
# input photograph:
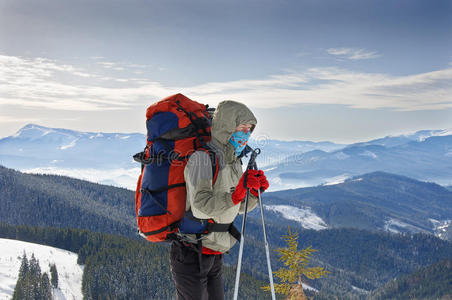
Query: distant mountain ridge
{"points": [[98, 157], [428, 160], [392, 141], [275, 151], [106, 158], [377, 201], [39, 146]]}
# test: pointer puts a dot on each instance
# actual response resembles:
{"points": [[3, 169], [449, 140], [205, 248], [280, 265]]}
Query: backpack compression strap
{"points": [[211, 226], [216, 227]]}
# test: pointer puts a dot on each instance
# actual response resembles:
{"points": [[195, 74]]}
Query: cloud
{"points": [[11, 119], [121, 66], [111, 65], [45, 84], [426, 91], [353, 53]]}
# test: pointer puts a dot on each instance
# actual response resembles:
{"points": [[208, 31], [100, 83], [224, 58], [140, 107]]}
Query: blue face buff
{"points": [[239, 140]]}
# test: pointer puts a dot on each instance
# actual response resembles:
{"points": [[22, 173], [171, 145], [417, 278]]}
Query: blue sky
{"points": [[316, 70]]}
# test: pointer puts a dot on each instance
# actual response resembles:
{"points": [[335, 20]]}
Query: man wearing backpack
{"points": [[197, 271]]}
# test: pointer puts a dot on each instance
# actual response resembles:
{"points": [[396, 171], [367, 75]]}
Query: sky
{"points": [[318, 70]]}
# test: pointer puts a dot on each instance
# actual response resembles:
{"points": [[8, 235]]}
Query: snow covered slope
{"points": [[69, 272], [305, 216]]}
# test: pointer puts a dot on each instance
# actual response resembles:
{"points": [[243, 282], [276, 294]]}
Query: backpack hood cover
{"points": [[228, 115]]}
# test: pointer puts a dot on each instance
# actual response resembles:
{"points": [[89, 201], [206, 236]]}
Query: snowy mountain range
{"points": [[107, 157], [377, 202], [69, 272], [425, 155], [98, 157]]}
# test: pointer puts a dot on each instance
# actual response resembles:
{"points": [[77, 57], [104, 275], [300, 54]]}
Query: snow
{"points": [[444, 132], [395, 226], [70, 145], [369, 154], [440, 227], [341, 155], [69, 272], [422, 138], [46, 132], [305, 216], [337, 180], [308, 287], [34, 128], [125, 178], [277, 184], [359, 290], [393, 222], [357, 179]]}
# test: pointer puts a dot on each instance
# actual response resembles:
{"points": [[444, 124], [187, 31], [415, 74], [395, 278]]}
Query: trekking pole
{"points": [[251, 164], [267, 249]]}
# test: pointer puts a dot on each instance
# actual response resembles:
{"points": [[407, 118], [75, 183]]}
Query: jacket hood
{"points": [[228, 115]]}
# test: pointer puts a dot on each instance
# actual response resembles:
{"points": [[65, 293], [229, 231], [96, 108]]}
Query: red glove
{"points": [[252, 182], [263, 183]]}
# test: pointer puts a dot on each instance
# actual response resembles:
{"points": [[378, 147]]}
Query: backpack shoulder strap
{"points": [[215, 167], [214, 161]]}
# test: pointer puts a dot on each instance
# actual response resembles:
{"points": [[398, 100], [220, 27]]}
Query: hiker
{"points": [[197, 271]]}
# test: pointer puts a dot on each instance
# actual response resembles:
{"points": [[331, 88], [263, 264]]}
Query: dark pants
{"points": [[191, 283]]}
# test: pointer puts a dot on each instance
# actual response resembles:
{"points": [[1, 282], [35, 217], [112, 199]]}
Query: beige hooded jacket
{"points": [[207, 201]]}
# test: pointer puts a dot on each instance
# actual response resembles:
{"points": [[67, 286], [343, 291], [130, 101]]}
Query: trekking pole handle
{"points": [[251, 165], [252, 162]]}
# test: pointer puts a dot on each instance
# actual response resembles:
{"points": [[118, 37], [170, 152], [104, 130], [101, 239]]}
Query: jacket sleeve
{"points": [[205, 202]]}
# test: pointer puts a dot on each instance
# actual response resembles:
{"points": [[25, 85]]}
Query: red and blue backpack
{"points": [[176, 128]]}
